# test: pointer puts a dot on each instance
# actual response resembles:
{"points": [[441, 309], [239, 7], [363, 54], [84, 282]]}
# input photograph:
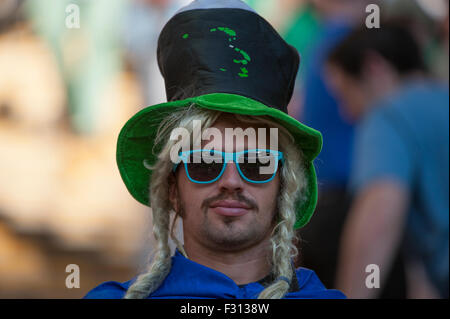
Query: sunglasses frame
{"points": [[233, 156]]}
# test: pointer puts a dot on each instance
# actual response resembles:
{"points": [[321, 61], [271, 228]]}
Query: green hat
{"points": [[220, 55]]}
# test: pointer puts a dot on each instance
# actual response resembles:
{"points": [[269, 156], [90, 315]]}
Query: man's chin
{"points": [[230, 233], [232, 227]]}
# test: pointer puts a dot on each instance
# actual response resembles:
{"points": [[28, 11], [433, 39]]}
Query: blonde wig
{"points": [[283, 239]]}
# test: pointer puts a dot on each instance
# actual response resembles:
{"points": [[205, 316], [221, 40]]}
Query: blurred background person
{"points": [[427, 20], [317, 107], [302, 32], [400, 176], [64, 94], [143, 21], [88, 55], [321, 25]]}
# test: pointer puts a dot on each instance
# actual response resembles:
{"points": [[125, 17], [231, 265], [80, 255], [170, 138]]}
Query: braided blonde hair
{"points": [[292, 186]]}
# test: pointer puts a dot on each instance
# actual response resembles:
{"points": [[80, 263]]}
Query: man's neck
{"points": [[391, 85], [243, 267]]}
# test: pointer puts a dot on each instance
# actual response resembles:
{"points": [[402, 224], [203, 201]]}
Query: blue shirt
{"points": [[321, 111], [190, 280], [405, 137]]}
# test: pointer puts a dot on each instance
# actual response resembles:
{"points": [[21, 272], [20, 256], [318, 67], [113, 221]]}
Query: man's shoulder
{"points": [[310, 286], [415, 101], [109, 290]]}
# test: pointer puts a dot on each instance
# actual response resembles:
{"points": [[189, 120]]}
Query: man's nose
{"points": [[231, 180]]}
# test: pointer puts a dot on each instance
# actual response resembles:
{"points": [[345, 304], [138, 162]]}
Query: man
{"points": [[400, 170], [239, 196]]}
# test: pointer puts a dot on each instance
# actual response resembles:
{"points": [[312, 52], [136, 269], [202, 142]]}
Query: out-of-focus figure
{"points": [[428, 22], [143, 21], [328, 22], [88, 55], [302, 32], [400, 173], [60, 202], [317, 107]]}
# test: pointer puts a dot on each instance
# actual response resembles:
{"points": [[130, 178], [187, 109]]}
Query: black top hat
{"points": [[226, 50], [220, 55]]}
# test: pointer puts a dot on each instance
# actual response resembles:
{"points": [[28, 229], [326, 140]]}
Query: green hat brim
{"points": [[136, 141]]}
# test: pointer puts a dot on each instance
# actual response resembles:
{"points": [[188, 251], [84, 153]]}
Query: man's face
{"points": [[349, 91], [207, 209]]}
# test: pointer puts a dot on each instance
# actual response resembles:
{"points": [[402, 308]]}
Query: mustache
{"points": [[223, 196]]}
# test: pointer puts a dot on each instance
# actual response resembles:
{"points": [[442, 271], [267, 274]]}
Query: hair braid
{"points": [[148, 282], [284, 236], [159, 268]]}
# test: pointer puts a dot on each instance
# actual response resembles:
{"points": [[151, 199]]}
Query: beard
{"points": [[229, 233]]}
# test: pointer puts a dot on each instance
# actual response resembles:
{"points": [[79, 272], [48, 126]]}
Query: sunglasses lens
{"points": [[204, 166], [258, 166]]}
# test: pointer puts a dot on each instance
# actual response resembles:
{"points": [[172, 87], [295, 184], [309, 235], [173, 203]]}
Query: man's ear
{"points": [[173, 191]]}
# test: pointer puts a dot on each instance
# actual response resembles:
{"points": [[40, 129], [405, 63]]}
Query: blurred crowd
{"points": [[71, 76]]}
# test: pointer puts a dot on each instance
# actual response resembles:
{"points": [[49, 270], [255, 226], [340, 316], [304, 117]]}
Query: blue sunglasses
{"points": [[207, 166]]}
